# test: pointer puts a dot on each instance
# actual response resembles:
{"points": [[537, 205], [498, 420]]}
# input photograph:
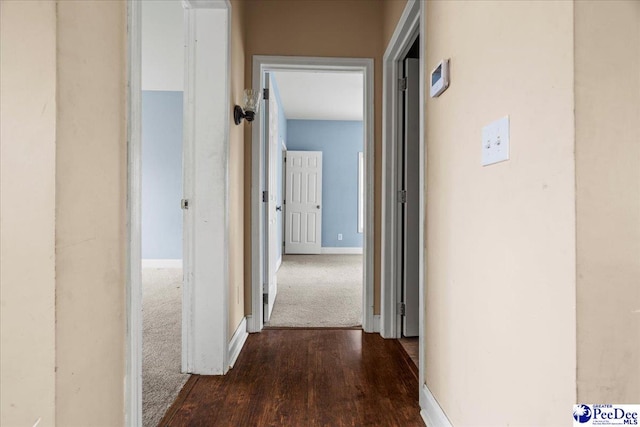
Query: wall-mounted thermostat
{"points": [[440, 78]]}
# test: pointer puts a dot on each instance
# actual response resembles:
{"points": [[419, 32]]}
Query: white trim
{"points": [[376, 323], [187, 189], [431, 412], [422, 281], [237, 342], [133, 374], [263, 64], [161, 263], [335, 250], [403, 36]]}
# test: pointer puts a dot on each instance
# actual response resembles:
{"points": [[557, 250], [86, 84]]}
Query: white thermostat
{"points": [[440, 78]]}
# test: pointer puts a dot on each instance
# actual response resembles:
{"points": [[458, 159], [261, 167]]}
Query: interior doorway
{"points": [[403, 193], [313, 241], [290, 203], [204, 347], [403, 179]]}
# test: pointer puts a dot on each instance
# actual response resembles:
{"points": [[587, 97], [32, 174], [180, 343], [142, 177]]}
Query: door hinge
{"points": [[184, 204], [402, 309], [402, 83], [265, 298], [265, 94], [402, 196], [265, 196]]}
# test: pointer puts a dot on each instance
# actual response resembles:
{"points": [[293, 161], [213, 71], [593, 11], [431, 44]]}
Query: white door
{"points": [[303, 202], [271, 182], [411, 210]]}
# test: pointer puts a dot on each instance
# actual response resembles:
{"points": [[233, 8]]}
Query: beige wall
{"points": [[236, 172], [91, 167], [27, 205], [391, 13], [607, 82], [500, 285], [346, 28]]}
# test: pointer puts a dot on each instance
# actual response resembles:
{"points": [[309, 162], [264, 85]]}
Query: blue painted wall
{"points": [[161, 175], [340, 142], [282, 137]]}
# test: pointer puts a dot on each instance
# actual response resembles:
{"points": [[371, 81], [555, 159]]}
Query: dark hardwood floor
{"points": [[306, 378], [411, 346]]}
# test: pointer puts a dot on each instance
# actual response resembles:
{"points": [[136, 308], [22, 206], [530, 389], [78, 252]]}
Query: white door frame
{"points": [[262, 64], [206, 134], [133, 378]]}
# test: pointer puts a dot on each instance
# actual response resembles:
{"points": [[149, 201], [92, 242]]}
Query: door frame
{"points": [[206, 348], [262, 64]]}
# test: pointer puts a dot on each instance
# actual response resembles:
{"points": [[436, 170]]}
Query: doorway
{"points": [[269, 210], [401, 183], [403, 186], [205, 155], [315, 245]]}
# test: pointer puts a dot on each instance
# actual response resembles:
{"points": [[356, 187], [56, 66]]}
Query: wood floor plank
{"points": [[307, 378]]}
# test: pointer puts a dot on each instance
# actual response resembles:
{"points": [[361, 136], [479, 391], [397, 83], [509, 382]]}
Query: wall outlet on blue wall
{"points": [[339, 236]]}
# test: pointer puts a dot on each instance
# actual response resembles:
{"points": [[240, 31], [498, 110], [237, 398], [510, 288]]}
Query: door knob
{"points": [[318, 207], [279, 208]]}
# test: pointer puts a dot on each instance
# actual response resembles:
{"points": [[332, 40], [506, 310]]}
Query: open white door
{"points": [[303, 202], [271, 180], [410, 216]]}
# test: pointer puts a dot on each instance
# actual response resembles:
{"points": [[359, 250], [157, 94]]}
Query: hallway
{"points": [[311, 377]]}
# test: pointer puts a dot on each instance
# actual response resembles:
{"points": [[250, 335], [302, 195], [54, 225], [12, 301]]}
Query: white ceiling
{"points": [[321, 95]]}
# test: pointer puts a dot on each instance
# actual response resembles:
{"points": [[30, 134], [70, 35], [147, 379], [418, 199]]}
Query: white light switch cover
{"points": [[495, 142]]}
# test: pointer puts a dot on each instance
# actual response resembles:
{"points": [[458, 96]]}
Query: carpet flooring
{"points": [[319, 291], [161, 348]]}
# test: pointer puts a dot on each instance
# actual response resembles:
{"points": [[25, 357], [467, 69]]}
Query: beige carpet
{"points": [[319, 291], [161, 348]]}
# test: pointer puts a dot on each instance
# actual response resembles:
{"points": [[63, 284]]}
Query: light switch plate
{"points": [[495, 142]]}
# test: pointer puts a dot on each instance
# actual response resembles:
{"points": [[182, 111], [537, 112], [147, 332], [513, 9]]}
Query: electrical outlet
{"points": [[339, 236]]}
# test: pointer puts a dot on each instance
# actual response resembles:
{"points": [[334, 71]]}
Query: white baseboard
{"points": [[430, 409], [350, 251], [278, 263], [376, 323], [237, 342], [161, 263]]}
